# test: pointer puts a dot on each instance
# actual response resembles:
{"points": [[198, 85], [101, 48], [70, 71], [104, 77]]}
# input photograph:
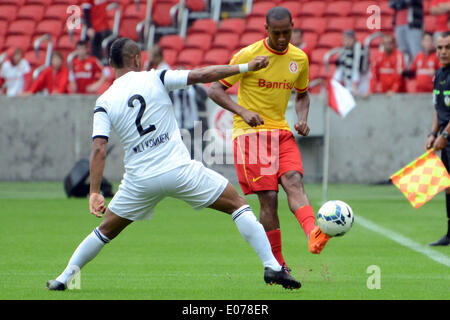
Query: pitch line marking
{"points": [[404, 241]]}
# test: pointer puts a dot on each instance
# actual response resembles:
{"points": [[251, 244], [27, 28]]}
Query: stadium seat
{"points": [[3, 28], [317, 55], [226, 40], [249, 38], [330, 40], [217, 56], [208, 26], [33, 60], [361, 36], [313, 9], [161, 14], [359, 8], [340, 24], [386, 10], [171, 41], [32, 12], [190, 58], [255, 24], [310, 39], [232, 25], [198, 40], [128, 28], [310, 24], [8, 12], [21, 27], [338, 8], [18, 41], [18, 3], [260, 9], [314, 69], [131, 11], [294, 7], [56, 12], [66, 44], [196, 5], [43, 3], [360, 24], [52, 27], [429, 23], [170, 56], [2, 42]]}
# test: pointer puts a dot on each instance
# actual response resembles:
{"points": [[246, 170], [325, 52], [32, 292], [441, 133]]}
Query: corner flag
{"points": [[422, 179], [340, 98]]}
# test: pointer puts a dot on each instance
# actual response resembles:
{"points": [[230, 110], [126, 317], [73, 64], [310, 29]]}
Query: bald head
{"points": [[125, 53]]}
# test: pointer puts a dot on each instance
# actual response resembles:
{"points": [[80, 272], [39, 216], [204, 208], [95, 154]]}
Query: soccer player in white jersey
{"points": [[157, 163]]}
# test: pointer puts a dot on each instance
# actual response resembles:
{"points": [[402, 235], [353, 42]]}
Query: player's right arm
{"points": [[217, 93], [219, 72]]}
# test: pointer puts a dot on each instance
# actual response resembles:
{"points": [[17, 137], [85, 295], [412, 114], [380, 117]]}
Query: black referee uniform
{"points": [[441, 99]]}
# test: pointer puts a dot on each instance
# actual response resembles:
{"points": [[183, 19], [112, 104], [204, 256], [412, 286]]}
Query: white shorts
{"points": [[194, 183]]}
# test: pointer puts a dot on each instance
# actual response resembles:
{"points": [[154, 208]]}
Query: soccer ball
{"points": [[335, 218]]}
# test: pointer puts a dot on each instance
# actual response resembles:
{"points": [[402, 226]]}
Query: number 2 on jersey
{"points": [[141, 100]]}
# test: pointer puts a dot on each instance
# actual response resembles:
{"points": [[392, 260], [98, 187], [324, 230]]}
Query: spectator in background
{"points": [[441, 9], [96, 20], [349, 63], [16, 74], [408, 24], [297, 40], [156, 59], [424, 65], [388, 68], [87, 74], [54, 79]]}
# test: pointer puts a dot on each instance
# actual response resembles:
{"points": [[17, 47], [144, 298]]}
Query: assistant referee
{"points": [[440, 130]]}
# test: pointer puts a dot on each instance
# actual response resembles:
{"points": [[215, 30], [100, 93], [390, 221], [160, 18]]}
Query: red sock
{"points": [[274, 237], [306, 218]]}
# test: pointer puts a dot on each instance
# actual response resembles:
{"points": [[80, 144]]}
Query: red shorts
{"points": [[261, 158]]}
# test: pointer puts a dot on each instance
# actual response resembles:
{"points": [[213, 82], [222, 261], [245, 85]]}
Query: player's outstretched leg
{"points": [[89, 248], [300, 205], [253, 232]]}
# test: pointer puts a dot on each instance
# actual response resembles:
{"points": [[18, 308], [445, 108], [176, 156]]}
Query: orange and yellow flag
{"points": [[422, 179]]}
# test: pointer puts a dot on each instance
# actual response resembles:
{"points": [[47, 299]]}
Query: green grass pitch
{"points": [[184, 254]]}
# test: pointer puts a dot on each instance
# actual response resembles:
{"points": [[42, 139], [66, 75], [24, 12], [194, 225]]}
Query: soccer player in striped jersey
{"points": [[265, 151], [157, 163]]}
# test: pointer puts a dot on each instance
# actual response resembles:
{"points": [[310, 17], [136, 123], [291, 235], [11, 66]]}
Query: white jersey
{"points": [[138, 107], [15, 76]]}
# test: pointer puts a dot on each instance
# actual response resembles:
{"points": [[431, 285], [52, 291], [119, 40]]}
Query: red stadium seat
{"points": [[338, 8], [52, 27], [361, 36], [3, 28], [314, 69], [8, 12], [229, 41], [203, 26], [56, 12], [316, 25], [190, 58], [232, 25], [128, 28], [32, 12], [171, 41], [330, 40], [198, 40], [217, 56], [196, 5], [18, 41], [21, 27], [66, 44], [249, 38], [131, 11], [161, 14], [260, 9], [294, 7], [170, 56], [43, 3], [255, 24], [18, 3], [2, 42], [340, 24], [360, 24], [359, 8], [310, 39], [318, 54], [33, 60], [386, 10], [313, 9]]}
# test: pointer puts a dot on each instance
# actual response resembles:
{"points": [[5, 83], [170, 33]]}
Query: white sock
{"points": [[253, 232], [86, 251]]}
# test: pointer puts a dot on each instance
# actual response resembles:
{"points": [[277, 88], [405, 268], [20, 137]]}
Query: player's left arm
{"points": [[302, 110], [96, 166]]}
